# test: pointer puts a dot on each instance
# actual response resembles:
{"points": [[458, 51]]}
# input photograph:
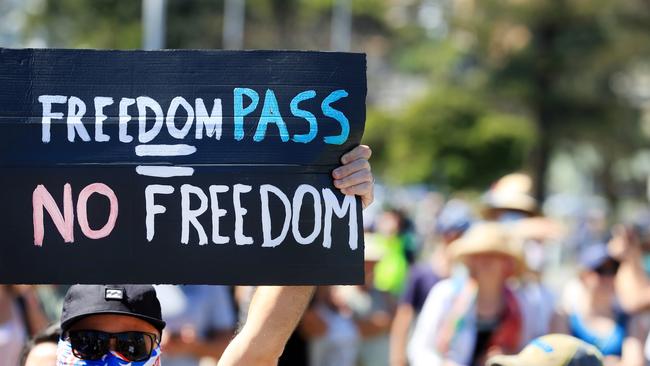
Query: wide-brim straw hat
{"points": [[512, 192], [485, 238], [511, 201]]}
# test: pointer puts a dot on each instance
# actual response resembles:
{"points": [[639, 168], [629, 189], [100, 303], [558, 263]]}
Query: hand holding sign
{"points": [[354, 176]]}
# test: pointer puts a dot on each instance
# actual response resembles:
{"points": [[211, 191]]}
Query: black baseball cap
{"points": [[139, 301]]}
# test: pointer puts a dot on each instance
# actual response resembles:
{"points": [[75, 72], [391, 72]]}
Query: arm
{"points": [[312, 325], [276, 310], [421, 348], [378, 323], [274, 314], [404, 316], [632, 285], [34, 314], [399, 334], [632, 354]]}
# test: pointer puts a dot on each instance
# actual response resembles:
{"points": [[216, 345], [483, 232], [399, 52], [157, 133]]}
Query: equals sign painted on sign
{"points": [[164, 150]]}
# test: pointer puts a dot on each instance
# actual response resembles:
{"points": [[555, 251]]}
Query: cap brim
{"points": [[157, 323]]}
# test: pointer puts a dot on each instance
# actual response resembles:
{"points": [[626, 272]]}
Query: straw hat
{"points": [[512, 192], [487, 237]]}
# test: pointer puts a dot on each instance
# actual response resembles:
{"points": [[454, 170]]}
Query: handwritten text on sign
{"points": [[201, 166]]}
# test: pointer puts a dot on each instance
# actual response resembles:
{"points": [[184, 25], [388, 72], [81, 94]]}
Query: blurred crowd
{"points": [[449, 282]]}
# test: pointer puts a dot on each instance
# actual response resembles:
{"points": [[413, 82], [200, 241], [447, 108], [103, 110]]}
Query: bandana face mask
{"points": [[65, 357]]}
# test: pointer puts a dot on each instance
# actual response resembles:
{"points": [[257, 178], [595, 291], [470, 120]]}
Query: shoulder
{"points": [[445, 290], [421, 271]]}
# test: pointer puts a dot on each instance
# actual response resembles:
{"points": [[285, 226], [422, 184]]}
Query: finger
{"points": [[364, 190], [350, 168], [353, 179], [359, 152]]}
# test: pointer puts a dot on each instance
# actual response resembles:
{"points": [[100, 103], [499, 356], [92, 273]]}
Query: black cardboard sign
{"points": [[201, 167]]}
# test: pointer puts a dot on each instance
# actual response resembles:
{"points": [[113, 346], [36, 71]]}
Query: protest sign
{"points": [[202, 167]]}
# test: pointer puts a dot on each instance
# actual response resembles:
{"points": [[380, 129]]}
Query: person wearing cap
{"points": [[591, 311], [110, 325], [454, 218], [122, 324], [552, 350], [467, 318]]}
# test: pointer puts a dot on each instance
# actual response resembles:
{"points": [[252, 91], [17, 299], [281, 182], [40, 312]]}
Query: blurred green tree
{"points": [[557, 60], [550, 65], [88, 24], [450, 138]]}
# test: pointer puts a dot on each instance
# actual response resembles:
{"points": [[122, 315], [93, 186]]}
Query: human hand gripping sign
{"points": [[354, 176]]}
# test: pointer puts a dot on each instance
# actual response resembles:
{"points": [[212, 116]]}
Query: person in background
{"points": [[41, 349], [391, 271], [630, 244], [464, 320], [453, 220], [332, 335], [552, 350], [200, 322], [21, 316], [592, 312], [510, 201], [372, 310]]}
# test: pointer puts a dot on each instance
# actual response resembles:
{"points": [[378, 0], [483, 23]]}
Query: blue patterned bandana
{"points": [[65, 357]]}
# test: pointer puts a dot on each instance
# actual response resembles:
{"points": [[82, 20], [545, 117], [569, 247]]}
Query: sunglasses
{"points": [[93, 344]]}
